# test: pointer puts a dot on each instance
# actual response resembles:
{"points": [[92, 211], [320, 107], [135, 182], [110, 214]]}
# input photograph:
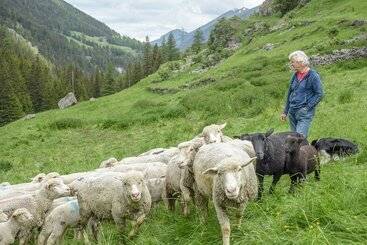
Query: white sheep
{"points": [[153, 151], [42, 177], [153, 170], [3, 217], [119, 196], [156, 187], [37, 203], [19, 220], [109, 163], [163, 156], [224, 173], [26, 188], [59, 219]]}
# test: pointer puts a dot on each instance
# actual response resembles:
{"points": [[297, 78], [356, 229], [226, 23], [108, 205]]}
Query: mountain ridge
{"points": [[185, 39]]}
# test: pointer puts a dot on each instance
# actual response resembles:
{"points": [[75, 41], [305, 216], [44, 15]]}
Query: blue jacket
{"points": [[305, 93]]}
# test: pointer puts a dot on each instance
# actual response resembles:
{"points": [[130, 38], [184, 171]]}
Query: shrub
{"points": [[345, 97], [5, 166], [66, 123]]}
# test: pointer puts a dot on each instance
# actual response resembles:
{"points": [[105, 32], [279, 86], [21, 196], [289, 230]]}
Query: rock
{"points": [[339, 55], [29, 116], [163, 91], [358, 23], [92, 99], [268, 46], [266, 8], [233, 44], [198, 83], [67, 101]]}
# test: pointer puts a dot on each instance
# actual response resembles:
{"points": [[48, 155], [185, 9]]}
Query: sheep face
{"points": [[56, 188], [228, 174], [134, 187], [213, 133], [23, 216], [39, 178], [3, 217], [292, 144], [259, 141]]}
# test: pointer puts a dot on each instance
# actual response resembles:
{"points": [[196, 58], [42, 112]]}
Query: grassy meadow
{"points": [[247, 91]]}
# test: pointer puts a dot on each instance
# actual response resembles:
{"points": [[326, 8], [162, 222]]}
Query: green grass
{"points": [[248, 94]]}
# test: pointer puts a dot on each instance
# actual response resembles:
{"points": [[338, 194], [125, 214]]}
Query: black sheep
{"points": [[271, 156], [300, 160], [332, 148]]}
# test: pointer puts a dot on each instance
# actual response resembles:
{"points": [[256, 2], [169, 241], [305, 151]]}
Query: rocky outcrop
{"points": [[339, 55], [266, 8], [67, 101]]}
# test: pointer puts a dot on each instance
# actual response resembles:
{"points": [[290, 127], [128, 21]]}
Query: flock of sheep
{"points": [[211, 166]]}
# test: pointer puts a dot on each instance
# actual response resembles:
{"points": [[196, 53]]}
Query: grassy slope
{"points": [[248, 95]]}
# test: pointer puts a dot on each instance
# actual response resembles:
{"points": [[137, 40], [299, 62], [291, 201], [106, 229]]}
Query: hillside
{"points": [[247, 91], [51, 26], [185, 39]]}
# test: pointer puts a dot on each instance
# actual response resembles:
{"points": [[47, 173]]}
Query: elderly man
{"points": [[305, 92]]}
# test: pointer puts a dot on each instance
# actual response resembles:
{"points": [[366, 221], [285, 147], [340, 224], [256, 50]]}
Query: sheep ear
{"points": [[49, 186], [211, 171], [314, 142], [183, 164], [270, 131], [222, 126], [251, 160]]}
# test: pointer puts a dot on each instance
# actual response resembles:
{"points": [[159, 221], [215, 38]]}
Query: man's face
{"points": [[297, 65]]}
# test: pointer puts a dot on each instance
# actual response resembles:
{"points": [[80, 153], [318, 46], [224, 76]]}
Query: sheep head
{"points": [[228, 174], [213, 133]]}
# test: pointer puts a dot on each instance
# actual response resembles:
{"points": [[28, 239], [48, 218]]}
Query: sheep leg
{"points": [[317, 170], [135, 225], [224, 223], [239, 215], [56, 236], [260, 179], [276, 178], [294, 181], [43, 236], [94, 225], [202, 204], [82, 224], [186, 197]]}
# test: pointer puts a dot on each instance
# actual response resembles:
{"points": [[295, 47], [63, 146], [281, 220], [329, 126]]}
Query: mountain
{"points": [[66, 35], [185, 39]]}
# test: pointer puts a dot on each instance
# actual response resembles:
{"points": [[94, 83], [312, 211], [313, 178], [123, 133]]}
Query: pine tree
{"points": [[172, 51], [97, 84], [198, 40], [164, 50], [36, 88], [147, 58], [109, 81], [10, 107], [157, 58]]}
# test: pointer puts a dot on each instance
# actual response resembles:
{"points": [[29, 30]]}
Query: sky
{"points": [[153, 18]]}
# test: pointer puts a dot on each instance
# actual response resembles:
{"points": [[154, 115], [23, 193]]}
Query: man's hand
{"points": [[283, 117]]}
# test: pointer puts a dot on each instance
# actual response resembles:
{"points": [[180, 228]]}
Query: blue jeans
{"points": [[300, 120]]}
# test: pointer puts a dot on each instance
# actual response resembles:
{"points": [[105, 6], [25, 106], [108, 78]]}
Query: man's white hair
{"points": [[300, 56]]}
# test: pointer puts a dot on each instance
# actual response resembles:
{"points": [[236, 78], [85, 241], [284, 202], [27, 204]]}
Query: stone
{"points": [[67, 101]]}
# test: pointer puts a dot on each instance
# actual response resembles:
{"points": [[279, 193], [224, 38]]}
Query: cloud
{"points": [[138, 18]]}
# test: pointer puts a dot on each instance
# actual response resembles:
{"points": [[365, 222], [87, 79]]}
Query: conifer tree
{"points": [[10, 107], [157, 58], [147, 57], [109, 81], [172, 51], [198, 40]]}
